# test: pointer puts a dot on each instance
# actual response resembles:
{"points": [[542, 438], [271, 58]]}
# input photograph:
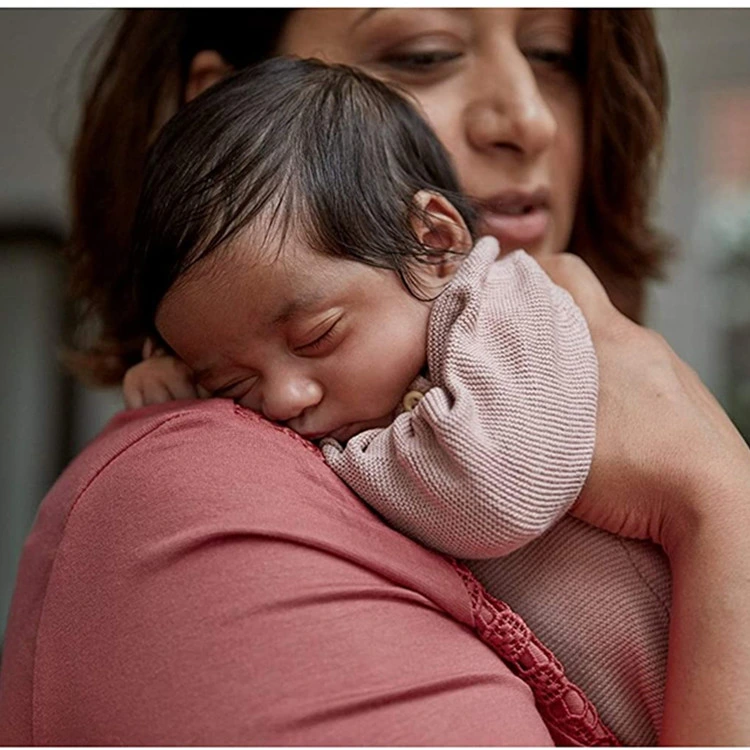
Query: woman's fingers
{"points": [[663, 442], [573, 275]]}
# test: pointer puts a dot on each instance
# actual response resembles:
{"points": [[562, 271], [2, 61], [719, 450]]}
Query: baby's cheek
{"points": [[365, 390], [399, 370]]}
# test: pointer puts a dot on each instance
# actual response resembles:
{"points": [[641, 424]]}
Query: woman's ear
{"points": [[438, 225], [207, 68]]}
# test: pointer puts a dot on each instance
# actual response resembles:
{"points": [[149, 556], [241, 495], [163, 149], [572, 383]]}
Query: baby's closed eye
{"points": [[236, 389], [321, 339]]}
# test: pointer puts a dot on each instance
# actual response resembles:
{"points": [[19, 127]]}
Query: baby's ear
{"points": [[438, 225]]}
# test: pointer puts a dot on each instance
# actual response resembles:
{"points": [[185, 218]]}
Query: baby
{"points": [[302, 247]]}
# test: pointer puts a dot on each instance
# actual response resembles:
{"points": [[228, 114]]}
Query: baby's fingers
{"points": [[182, 388], [177, 377], [156, 392], [156, 380], [133, 396]]}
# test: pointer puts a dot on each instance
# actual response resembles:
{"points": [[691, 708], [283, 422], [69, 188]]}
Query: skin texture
{"points": [[339, 364]]}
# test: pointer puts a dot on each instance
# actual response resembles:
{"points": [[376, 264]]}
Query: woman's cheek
{"points": [[566, 170], [441, 104], [447, 126]]}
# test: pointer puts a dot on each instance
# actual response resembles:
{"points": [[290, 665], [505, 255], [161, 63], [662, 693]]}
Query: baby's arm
{"points": [[500, 447], [159, 378]]}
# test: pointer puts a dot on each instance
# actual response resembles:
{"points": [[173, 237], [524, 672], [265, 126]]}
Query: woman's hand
{"points": [[666, 456], [159, 378], [670, 466]]}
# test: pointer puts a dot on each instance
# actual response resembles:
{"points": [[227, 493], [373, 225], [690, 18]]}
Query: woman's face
{"points": [[497, 85]]}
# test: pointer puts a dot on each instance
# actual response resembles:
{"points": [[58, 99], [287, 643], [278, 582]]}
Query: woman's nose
{"points": [[287, 397], [508, 110]]}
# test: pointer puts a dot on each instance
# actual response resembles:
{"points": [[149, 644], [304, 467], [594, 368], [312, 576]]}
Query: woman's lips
{"points": [[516, 219], [516, 231]]}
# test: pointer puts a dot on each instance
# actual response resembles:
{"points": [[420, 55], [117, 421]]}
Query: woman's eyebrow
{"points": [[369, 13]]}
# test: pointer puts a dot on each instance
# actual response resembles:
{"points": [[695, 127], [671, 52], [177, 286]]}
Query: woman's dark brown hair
{"points": [[141, 68]]}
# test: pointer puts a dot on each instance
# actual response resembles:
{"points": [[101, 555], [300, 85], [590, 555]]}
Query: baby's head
{"points": [[295, 223]]}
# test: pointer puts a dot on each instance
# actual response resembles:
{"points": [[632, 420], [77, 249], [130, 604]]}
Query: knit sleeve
{"points": [[499, 448]]}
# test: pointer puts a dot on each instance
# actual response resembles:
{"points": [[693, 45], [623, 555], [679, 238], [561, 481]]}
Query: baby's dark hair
{"points": [[324, 150]]}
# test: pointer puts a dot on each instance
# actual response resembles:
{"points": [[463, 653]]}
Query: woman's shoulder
{"points": [[181, 447], [206, 469], [199, 576], [172, 460], [213, 461]]}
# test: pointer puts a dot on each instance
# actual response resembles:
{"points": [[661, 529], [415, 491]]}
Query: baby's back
{"points": [[601, 604]]}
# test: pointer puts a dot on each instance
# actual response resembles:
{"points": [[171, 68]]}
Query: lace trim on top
{"points": [[572, 719]]}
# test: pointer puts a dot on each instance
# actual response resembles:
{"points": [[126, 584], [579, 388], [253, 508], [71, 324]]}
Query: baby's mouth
{"points": [[312, 436], [343, 434], [315, 437]]}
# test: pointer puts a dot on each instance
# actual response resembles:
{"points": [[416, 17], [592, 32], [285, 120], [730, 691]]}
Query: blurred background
{"points": [[46, 418]]}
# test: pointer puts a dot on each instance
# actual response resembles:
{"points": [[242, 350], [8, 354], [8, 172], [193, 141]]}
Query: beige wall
{"points": [[708, 54]]}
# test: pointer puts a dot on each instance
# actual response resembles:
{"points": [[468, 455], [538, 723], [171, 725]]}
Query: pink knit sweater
{"points": [[490, 459]]}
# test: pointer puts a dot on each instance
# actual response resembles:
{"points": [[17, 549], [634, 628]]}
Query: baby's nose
{"points": [[287, 399]]}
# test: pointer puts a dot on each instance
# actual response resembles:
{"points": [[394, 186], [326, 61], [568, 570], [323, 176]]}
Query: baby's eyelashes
{"points": [[321, 341], [319, 345], [235, 390]]}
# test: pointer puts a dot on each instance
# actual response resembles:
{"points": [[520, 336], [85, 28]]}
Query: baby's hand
{"points": [[159, 378]]}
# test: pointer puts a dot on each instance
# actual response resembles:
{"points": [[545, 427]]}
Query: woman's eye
{"points": [[555, 59], [317, 345], [420, 60]]}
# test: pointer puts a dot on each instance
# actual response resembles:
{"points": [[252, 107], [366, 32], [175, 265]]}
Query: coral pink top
{"points": [[199, 576]]}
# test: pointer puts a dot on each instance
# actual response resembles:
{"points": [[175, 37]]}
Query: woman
{"points": [[513, 105], [199, 576]]}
